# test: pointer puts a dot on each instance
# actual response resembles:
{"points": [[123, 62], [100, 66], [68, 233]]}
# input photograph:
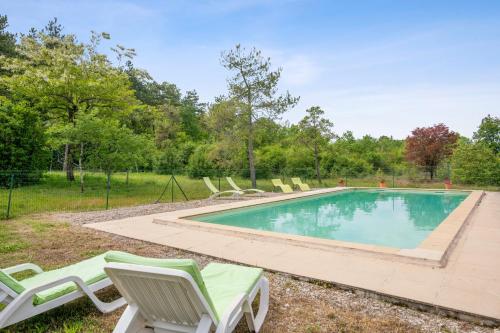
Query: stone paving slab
{"points": [[469, 283]]}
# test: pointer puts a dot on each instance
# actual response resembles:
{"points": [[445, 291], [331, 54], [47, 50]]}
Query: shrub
{"points": [[270, 160], [475, 163], [22, 143], [200, 164]]}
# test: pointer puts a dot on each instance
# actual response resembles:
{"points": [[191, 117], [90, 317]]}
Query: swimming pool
{"points": [[394, 218]]}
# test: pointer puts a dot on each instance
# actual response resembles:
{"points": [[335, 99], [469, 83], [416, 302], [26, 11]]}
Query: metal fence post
{"points": [[10, 195], [108, 187], [172, 187]]}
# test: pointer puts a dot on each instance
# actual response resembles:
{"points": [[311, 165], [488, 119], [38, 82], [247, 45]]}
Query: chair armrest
{"points": [[71, 278], [232, 312], [23, 267], [104, 307]]}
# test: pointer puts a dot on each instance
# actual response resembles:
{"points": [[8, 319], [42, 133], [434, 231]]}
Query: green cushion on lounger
{"points": [[224, 282], [10, 282], [90, 271], [187, 265]]}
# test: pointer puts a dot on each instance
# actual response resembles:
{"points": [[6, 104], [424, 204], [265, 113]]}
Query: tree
{"points": [[22, 141], [7, 39], [54, 29], [191, 112], [489, 133], [7, 48], [428, 146], [62, 77], [475, 163], [111, 146], [254, 86], [315, 132]]}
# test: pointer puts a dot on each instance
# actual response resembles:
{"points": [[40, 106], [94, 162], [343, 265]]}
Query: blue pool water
{"points": [[400, 219]]}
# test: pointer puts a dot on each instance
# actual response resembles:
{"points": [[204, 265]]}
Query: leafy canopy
{"points": [[62, 77], [314, 130], [489, 133], [254, 84]]}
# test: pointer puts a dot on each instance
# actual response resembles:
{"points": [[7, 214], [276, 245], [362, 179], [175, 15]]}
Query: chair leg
{"points": [[131, 321], [204, 325], [255, 322]]}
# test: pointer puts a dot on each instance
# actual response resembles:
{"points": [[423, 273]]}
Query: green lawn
{"points": [[54, 193]]}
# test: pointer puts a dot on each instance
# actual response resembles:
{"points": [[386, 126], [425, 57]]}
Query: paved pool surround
{"points": [[454, 270], [432, 251]]}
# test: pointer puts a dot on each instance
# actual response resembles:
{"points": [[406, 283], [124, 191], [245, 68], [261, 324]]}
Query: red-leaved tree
{"points": [[428, 146]]}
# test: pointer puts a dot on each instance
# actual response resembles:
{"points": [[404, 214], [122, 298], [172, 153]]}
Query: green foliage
{"points": [[175, 158], [200, 164], [113, 147], [7, 39], [475, 163], [489, 133], [270, 160], [62, 78], [315, 132], [22, 142]]}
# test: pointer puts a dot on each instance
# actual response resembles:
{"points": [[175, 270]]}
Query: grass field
{"points": [[54, 193]]}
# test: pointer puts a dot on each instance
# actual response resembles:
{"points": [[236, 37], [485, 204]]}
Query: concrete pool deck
{"points": [[468, 285]]}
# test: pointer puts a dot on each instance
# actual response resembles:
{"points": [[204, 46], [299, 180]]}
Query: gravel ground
{"points": [[119, 213], [297, 305]]}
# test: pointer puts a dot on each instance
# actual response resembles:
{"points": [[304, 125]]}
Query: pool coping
{"points": [[433, 251]]}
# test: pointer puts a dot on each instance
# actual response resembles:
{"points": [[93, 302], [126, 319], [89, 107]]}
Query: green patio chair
{"points": [[237, 188], [298, 183], [285, 188], [215, 191], [47, 290], [173, 295]]}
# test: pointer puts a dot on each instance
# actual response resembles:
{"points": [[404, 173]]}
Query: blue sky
{"points": [[376, 67]]}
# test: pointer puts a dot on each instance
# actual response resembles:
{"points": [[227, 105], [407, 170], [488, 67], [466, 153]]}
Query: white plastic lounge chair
{"points": [[172, 295], [285, 188], [47, 290], [237, 188], [215, 191], [298, 183]]}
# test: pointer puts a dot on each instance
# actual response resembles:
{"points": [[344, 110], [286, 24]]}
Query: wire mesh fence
{"points": [[37, 192]]}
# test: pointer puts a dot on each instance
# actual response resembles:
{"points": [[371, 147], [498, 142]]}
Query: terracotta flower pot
{"points": [[341, 183], [382, 184], [447, 185]]}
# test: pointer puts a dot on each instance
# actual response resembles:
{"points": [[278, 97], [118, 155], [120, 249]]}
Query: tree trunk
{"points": [[316, 162], [68, 158], [251, 162], [68, 163]]}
